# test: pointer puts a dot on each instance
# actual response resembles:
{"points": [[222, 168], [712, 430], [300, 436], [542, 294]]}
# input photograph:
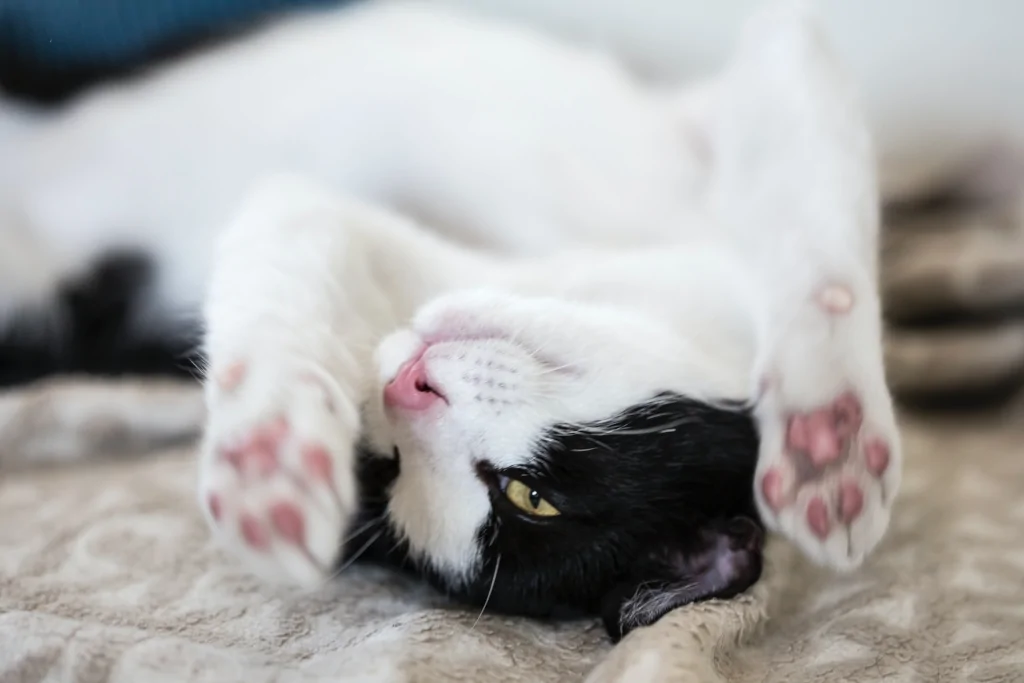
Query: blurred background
{"points": [[941, 80]]}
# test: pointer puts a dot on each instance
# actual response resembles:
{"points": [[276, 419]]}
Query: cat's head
{"points": [[558, 457]]}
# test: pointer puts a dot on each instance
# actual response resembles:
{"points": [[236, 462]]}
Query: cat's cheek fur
{"points": [[439, 516], [490, 412]]}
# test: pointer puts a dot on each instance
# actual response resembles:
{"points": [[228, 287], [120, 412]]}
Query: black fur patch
{"points": [[88, 330], [661, 496]]}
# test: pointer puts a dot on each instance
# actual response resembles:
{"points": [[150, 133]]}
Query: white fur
{"points": [[941, 81], [496, 136], [306, 285]]}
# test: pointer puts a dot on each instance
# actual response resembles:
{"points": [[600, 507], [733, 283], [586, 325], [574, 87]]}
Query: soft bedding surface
{"points": [[107, 572]]}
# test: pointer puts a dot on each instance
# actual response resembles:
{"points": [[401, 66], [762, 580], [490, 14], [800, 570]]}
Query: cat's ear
{"points": [[722, 561], [784, 137]]}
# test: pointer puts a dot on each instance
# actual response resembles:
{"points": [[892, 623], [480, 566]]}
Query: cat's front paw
{"points": [[276, 473]]}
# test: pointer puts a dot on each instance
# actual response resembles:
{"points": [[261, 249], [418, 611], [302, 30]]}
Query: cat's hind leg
{"points": [[829, 465]]}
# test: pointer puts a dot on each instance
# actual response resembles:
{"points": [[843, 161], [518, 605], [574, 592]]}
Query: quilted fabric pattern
{"points": [[107, 574]]}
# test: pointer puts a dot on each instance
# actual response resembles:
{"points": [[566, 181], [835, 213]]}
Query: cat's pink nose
{"points": [[411, 388]]}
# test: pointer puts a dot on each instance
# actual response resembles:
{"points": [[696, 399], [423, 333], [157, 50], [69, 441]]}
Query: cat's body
{"points": [[494, 136], [745, 346]]}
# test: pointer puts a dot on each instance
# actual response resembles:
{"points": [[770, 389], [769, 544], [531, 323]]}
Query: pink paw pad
{"points": [[317, 461], [286, 519], [812, 435], [257, 453], [836, 299], [216, 510], [876, 456], [818, 517], [231, 376], [774, 488], [253, 532], [851, 501], [847, 415], [823, 435]]}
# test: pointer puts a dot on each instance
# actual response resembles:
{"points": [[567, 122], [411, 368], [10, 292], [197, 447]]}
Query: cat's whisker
{"points": [[396, 545], [494, 535], [399, 542], [357, 554], [554, 369], [487, 600], [363, 528], [539, 350], [663, 427]]}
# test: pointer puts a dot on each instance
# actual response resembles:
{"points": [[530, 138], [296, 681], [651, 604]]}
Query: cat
{"points": [[600, 239], [577, 433]]}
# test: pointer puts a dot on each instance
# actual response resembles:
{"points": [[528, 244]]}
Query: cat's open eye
{"points": [[529, 500]]}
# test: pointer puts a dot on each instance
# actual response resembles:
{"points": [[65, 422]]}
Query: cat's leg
{"points": [[794, 190], [829, 466], [302, 289]]}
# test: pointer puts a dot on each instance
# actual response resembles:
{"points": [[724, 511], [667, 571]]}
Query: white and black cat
{"points": [[552, 416]]}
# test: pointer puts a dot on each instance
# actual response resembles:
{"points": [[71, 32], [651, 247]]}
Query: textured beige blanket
{"points": [[107, 572]]}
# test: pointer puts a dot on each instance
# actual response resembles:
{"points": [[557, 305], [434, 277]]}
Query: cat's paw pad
{"points": [[277, 487], [826, 479]]}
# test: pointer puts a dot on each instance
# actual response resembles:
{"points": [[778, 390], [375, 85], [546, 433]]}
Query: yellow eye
{"points": [[528, 500]]}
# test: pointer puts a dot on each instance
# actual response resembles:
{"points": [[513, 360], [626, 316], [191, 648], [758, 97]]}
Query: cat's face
{"points": [[556, 457]]}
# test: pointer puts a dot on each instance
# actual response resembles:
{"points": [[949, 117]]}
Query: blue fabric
{"points": [[63, 32]]}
